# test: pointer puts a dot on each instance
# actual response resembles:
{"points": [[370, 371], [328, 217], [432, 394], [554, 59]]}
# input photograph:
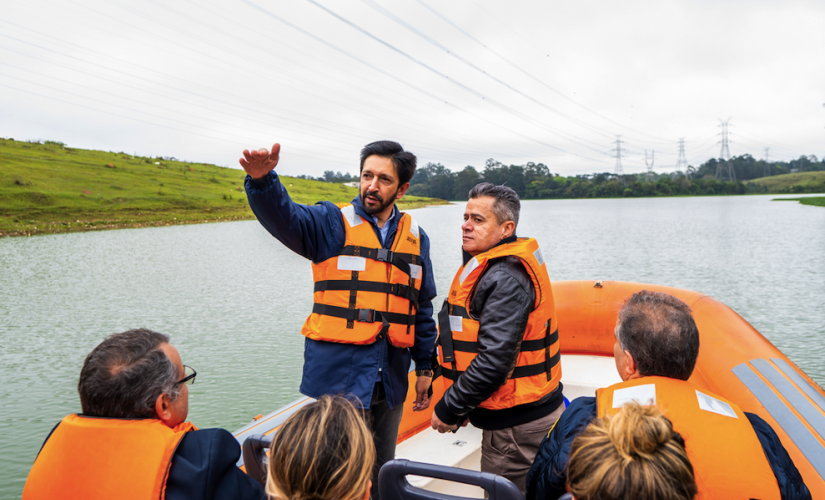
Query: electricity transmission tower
{"points": [[681, 162], [767, 159], [724, 153], [650, 165], [617, 153]]}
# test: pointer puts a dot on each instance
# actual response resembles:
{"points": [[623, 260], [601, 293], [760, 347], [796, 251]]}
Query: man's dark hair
{"points": [[124, 375], [403, 161], [659, 332], [507, 205]]}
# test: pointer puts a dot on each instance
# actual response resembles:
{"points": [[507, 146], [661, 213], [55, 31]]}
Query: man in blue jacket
{"points": [[376, 373]]}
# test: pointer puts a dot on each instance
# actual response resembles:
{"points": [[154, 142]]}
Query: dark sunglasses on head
{"points": [[190, 375]]}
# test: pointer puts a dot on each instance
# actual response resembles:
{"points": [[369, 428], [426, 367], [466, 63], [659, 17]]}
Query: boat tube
{"points": [[735, 361]]}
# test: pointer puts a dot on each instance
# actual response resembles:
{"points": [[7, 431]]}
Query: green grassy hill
{"points": [[49, 188], [802, 182]]}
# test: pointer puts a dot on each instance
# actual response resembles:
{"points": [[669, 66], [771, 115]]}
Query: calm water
{"points": [[233, 299]]}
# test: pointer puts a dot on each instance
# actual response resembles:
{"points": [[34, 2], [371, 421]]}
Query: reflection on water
{"points": [[233, 299]]}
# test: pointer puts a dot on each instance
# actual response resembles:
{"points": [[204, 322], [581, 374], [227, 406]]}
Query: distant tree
{"points": [[464, 182]]}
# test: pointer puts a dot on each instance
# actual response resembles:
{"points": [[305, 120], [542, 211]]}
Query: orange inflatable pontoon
{"points": [[735, 361]]}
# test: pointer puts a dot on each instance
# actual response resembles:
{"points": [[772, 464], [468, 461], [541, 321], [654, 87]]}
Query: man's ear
{"points": [[163, 408], [402, 190], [508, 229], [630, 368]]}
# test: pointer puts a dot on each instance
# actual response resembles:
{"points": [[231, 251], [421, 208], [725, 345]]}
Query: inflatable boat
{"points": [[735, 361]]}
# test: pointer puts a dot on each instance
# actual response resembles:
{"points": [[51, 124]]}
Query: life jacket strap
{"points": [[454, 310], [400, 260], [549, 340], [361, 315], [472, 347], [408, 292], [445, 334], [518, 372], [450, 345]]}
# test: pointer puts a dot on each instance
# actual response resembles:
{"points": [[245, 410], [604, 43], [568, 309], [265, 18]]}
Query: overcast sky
{"points": [[455, 82]]}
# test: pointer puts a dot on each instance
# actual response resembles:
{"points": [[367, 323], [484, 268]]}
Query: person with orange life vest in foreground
{"points": [[734, 454], [498, 338], [372, 310], [132, 442]]}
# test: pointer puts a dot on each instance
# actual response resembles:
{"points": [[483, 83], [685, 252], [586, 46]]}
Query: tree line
{"points": [[535, 181]]}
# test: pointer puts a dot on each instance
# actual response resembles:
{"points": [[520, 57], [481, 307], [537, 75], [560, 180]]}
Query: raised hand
{"points": [[258, 163]]}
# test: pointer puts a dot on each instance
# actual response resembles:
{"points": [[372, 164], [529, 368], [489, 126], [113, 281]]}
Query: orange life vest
{"points": [[368, 291], [727, 457], [104, 458], [537, 371]]}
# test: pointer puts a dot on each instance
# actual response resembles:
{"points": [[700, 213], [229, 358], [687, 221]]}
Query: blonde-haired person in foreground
{"points": [[632, 454], [323, 452]]}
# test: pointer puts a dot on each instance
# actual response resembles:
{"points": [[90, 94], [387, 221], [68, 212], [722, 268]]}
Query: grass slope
{"points": [[802, 182], [49, 188]]}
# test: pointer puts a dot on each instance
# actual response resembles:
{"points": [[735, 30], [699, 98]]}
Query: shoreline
{"points": [[84, 223], [81, 223]]}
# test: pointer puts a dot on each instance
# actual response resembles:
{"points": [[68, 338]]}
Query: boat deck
{"points": [[581, 376]]}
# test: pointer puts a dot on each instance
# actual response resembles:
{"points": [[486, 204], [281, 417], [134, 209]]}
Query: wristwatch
{"points": [[424, 372]]}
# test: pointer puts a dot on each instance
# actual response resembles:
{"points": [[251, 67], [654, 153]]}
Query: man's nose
{"points": [[373, 186], [466, 226]]}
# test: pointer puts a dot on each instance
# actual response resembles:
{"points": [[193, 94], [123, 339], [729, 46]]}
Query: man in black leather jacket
{"points": [[502, 300]]}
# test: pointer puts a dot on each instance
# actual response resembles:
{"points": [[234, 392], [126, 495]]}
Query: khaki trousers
{"points": [[510, 452]]}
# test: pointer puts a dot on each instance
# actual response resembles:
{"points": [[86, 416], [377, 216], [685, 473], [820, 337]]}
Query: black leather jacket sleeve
{"points": [[502, 300]]}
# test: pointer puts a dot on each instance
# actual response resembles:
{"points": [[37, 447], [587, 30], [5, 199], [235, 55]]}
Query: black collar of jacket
{"points": [[467, 256]]}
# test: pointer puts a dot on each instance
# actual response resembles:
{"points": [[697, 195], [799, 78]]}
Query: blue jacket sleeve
{"points": [[791, 484], [425, 332], [312, 231], [203, 468], [547, 479]]}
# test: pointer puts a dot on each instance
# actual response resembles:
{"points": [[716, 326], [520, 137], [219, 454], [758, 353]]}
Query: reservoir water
{"points": [[233, 299]]}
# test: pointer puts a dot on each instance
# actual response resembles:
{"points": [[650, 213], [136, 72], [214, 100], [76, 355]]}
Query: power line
{"points": [[258, 107], [154, 124], [443, 75], [487, 74], [396, 78]]}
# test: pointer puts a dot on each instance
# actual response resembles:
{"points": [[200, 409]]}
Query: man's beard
{"points": [[382, 205]]}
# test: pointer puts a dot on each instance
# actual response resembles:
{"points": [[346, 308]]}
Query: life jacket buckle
{"points": [[384, 255], [366, 316]]}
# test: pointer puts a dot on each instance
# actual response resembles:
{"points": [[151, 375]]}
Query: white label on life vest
{"points": [[415, 271], [414, 227], [713, 405], [347, 263], [468, 269], [645, 395], [353, 218], [455, 324], [539, 257]]}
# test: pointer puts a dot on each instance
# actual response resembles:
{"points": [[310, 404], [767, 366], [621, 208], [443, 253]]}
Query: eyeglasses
{"points": [[190, 375]]}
